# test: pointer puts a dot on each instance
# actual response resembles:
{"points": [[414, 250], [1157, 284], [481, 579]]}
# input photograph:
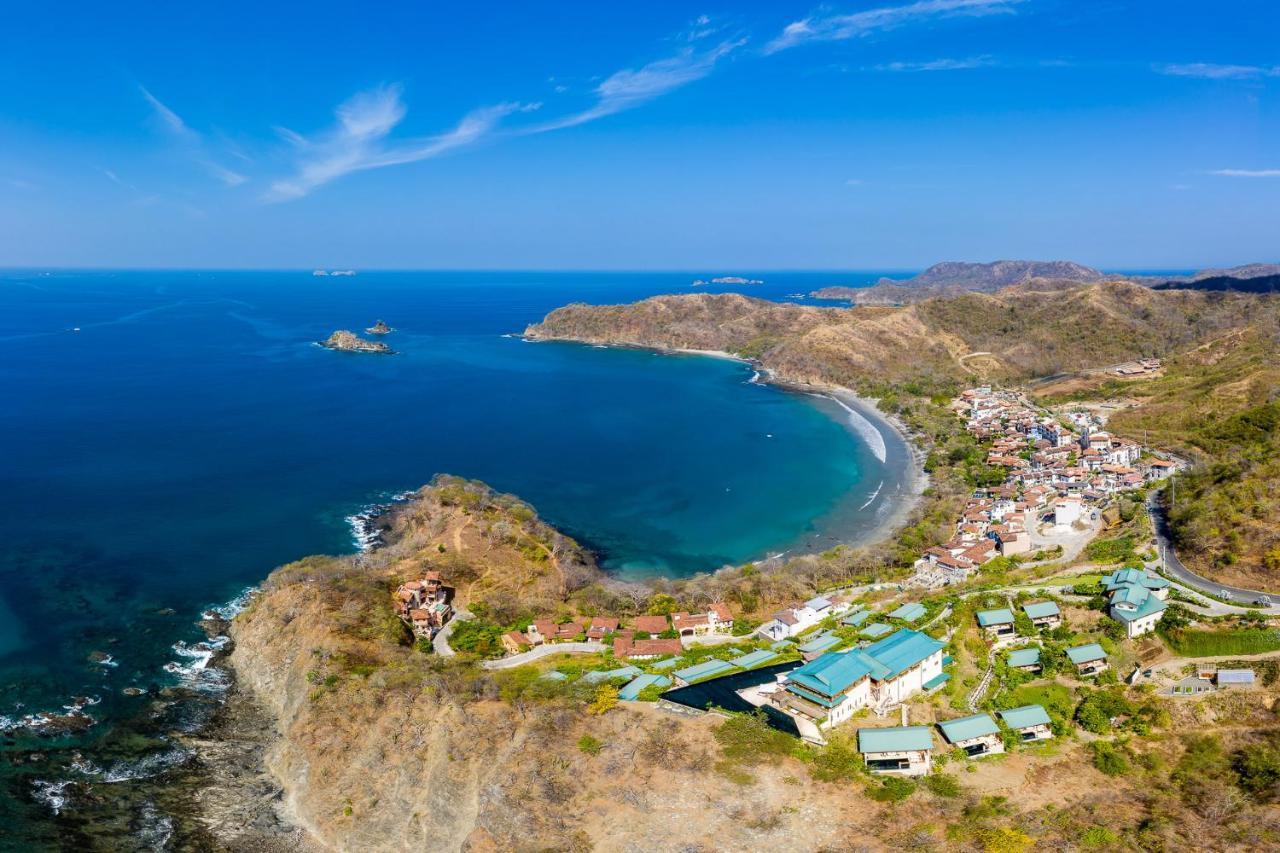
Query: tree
{"points": [[1258, 767], [606, 699], [662, 604]]}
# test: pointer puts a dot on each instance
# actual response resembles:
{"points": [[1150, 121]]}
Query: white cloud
{"points": [[827, 27], [937, 65], [168, 117], [632, 87], [1246, 173], [1212, 71], [193, 142], [358, 141]]}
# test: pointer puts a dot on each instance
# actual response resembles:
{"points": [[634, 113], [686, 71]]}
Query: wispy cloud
{"points": [[359, 140], [937, 65], [829, 27], [1213, 71], [1246, 173], [631, 87], [192, 141]]}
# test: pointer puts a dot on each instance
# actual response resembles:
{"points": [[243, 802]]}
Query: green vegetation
{"points": [[1206, 766], [890, 789], [1198, 643], [590, 745], [942, 784], [1109, 551], [1111, 758], [749, 739], [477, 637]]}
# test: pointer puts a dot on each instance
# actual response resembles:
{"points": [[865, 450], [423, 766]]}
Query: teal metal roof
{"points": [[754, 658], [610, 675], [780, 645], [900, 652], [1084, 654], [1024, 717], [896, 739], [820, 643], [967, 728], [909, 612], [831, 674], [856, 618], [633, 688], [706, 669], [1002, 616], [555, 675], [1041, 609], [1133, 577], [1146, 607], [1024, 657], [877, 629], [937, 681], [664, 664]]}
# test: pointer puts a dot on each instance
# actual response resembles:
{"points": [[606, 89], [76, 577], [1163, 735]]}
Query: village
{"points": [[938, 664]]}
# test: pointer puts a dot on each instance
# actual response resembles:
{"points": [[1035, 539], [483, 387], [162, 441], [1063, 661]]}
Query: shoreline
{"points": [[911, 478]]}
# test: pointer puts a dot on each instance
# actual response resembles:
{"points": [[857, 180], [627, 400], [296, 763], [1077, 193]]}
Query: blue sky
{"points": [[866, 135]]}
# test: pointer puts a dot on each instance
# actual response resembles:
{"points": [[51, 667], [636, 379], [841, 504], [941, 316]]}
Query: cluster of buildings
{"points": [[1059, 471], [1141, 367], [627, 642], [833, 686], [792, 621], [424, 605], [1208, 678], [908, 750]]}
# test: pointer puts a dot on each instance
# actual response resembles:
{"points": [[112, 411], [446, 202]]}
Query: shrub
{"points": [[749, 739], [1110, 758], [590, 745], [839, 761], [943, 785], [1099, 836], [1004, 839], [891, 790], [606, 699]]}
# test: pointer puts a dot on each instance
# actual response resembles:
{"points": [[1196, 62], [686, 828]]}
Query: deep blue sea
{"points": [[170, 437]]}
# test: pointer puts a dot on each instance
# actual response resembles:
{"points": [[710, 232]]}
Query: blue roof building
{"points": [[703, 671], [856, 619], [996, 618], [908, 612], [1089, 659], [1025, 658], [1137, 599], [976, 735], [754, 659], [609, 675], [1043, 613], [900, 750], [819, 643], [631, 691], [876, 629], [1030, 722]]}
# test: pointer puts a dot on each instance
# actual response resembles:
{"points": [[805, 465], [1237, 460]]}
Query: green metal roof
{"points": [[820, 643], [1133, 577], [877, 629], [1002, 616], [1026, 716], [903, 650], [610, 675], [967, 728], [909, 612], [1146, 607], [633, 688], [856, 618], [706, 669], [754, 658], [937, 681], [665, 664], [1084, 654], [896, 739], [1041, 609], [831, 674], [1024, 657]]}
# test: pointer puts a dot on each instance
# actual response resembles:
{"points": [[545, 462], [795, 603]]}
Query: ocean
{"points": [[170, 437]]}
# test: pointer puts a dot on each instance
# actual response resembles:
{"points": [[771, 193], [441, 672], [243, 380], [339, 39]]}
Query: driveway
{"points": [[539, 652], [440, 642]]}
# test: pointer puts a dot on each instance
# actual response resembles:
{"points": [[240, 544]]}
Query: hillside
{"points": [[952, 278], [1014, 334]]}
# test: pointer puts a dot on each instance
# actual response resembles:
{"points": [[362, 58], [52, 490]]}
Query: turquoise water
{"points": [[190, 436]]}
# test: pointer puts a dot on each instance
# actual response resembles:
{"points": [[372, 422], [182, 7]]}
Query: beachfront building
{"points": [[997, 624], [1043, 614], [900, 750], [977, 735], [829, 689], [1137, 599], [717, 620], [1030, 722], [1089, 659]]}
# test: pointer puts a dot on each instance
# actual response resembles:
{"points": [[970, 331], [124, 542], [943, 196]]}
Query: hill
{"points": [[951, 278], [1261, 283]]}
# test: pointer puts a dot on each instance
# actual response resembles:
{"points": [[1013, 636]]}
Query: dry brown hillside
{"points": [[1020, 332]]}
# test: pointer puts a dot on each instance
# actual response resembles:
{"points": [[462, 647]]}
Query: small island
{"points": [[728, 279], [345, 341], [380, 328]]}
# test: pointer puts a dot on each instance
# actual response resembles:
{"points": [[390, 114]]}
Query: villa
{"points": [[977, 735], [626, 647], [1027, 660], [651, 624], [717, 620], [998, 624], [424, 605], [1043, 614], [1137, 599], [1089, 660], [1030, 722], [901, 750], [831, 688]]}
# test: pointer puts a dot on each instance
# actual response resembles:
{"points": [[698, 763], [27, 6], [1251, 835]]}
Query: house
{"points": [[908, 612], [651, 624], [856, 619], [628, 648], [1235, 678], [829, 689], [1089, 659], [977, 735], [541, 631], [1030, 722], [1192, 685], [717, 620], [601, 625], [1043, 614], [424, 605], [702, 671], [815, 646], [1027, 660], [514, 642], [794, 620], [1137, 599], [900, 750], [998, 624]]}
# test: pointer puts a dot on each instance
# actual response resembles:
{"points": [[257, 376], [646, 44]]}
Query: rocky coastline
{"points": [[344, 341]]}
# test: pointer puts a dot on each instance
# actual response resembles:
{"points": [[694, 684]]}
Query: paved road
{"points": [[440, 642], [1174, 566], [539, 652]]}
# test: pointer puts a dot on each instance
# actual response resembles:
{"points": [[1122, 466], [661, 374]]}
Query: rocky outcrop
{"points": [[345, 341], [380, 328]]}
